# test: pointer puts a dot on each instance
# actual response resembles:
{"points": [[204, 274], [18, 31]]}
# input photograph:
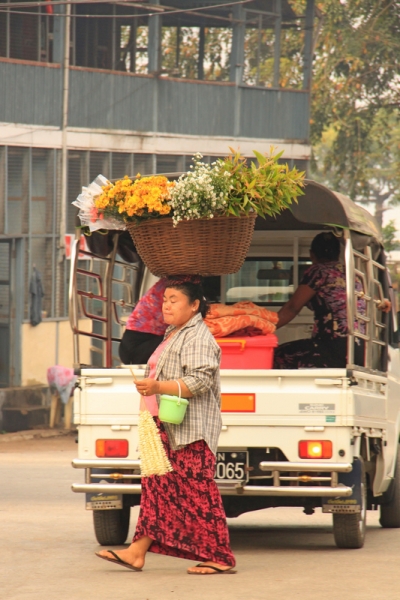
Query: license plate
{"points": [[232, 465], [106, 501]]}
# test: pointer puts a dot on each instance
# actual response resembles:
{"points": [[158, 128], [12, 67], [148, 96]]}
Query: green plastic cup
{"points": [[172, 409]]}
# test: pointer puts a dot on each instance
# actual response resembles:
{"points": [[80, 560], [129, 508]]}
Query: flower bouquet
{"points": [[232, 187], [106, 205], [203, 222]]}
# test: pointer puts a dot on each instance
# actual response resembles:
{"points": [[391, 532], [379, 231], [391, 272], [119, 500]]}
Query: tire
{"points": [[349, 530], [390, 511], [111, 526]]}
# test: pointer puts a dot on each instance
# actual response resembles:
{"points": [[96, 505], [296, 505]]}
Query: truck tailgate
{"points": [[107, 397], [285, 397]]}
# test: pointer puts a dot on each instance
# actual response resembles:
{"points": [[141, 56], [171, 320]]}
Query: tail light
{"points": [[112, 448], [315, 449]]}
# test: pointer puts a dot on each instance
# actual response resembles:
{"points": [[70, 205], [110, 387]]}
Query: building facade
{"points": [[136, 88]]}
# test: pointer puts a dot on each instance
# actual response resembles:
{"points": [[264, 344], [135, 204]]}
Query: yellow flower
{"points": [[145, 195]]}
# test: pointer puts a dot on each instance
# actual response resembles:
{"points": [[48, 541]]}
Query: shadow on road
{"points": [[289, 537]]}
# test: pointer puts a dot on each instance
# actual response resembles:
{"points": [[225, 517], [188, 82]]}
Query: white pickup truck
{"points": [[309, 438]]}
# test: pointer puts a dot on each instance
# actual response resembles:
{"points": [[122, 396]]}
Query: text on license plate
{"points": [[232, 465], [101, 501]]}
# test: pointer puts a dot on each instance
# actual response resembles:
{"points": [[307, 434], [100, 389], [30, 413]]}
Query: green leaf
{"points": [[260, 157]]}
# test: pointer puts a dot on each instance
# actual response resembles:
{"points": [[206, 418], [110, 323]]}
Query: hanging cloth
{"points": [[36, 294]]}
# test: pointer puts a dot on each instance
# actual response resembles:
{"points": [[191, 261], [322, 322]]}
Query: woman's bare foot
{"points": [[134, 555], [209, 568]]}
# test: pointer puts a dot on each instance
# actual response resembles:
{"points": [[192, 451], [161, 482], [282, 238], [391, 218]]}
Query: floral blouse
{"points": [[329, 303], [147, 315]]}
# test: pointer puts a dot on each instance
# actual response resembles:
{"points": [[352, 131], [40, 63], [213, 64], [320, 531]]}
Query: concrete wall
{"points": [[43, 347]]}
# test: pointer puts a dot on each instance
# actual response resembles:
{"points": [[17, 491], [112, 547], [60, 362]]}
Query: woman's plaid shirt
{"points": [[194, 356]]}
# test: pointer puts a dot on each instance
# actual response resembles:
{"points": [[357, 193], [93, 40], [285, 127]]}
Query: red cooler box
{"points": [[248, 352]]}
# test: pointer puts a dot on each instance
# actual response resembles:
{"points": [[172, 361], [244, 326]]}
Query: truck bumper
{"points": [[300, 484]]}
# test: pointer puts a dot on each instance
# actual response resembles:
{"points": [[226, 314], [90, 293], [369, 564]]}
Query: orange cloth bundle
{"points": [[222, 320]]}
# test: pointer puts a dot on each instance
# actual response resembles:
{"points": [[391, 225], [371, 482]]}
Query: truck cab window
{"points": [[266, 281]]}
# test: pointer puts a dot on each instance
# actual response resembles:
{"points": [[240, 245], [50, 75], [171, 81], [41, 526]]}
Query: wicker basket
{"points": [[200, 247]]}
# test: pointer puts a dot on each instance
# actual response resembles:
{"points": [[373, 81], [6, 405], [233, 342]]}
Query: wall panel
{"points": [[30, 94], [110, 100]]}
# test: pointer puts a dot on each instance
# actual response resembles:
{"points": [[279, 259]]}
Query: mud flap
{"points": [[351, 504]]}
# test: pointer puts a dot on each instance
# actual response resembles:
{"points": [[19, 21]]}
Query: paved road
{"points": [[47, 547]]}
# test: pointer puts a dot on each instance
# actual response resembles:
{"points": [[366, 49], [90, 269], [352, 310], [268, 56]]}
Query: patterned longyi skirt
{"points": [[182, 511]]}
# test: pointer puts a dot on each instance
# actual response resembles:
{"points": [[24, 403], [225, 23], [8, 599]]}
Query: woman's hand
{"points": [[148, 387], [385, 306]]}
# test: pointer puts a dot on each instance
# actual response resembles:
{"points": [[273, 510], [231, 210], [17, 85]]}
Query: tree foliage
{"points": [[356, 99], [355, 131], [184, 62], [389, 237]]}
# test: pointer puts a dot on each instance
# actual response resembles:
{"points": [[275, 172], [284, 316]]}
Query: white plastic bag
{"points": [[85, 203]]}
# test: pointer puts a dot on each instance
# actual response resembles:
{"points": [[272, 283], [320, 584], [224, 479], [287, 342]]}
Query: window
{"points": [[4, 283], [99, 165], [264, 281], [169, 164], [141, 54], [132, 44], [259, 45], [78, 176], [94, 36], [121, 165], [3, 191], [143, 164], [3, 33], [24, 39], [196, 52], [41, 193], [274, 48], [27, 33], [17, 190], [30, 196]]}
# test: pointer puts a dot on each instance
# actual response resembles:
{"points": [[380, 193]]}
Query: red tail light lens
{"points": [[315, 449], [112, 448]]}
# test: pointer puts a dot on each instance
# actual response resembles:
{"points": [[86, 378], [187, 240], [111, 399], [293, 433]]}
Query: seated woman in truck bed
{"points": [[322, 290]]}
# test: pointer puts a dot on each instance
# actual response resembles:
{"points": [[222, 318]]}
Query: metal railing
{"points": [[80, 295], [364, 324]]}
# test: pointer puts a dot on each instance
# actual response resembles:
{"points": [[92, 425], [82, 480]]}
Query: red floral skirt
{"points": [[182, 511]]}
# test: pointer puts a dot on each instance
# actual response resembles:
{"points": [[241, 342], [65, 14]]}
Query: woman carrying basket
{"points": [[181, 512]]}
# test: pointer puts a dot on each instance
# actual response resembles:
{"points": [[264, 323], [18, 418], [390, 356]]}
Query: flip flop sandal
{"points": [[117, 560], [216, 570]]}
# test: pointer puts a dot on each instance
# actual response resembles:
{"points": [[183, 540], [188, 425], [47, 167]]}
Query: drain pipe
{"points": [[64, 151]]}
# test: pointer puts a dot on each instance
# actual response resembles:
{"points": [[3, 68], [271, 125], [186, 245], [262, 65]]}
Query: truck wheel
{"points": [[390, 512], [111, 526], [349, 530]]}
